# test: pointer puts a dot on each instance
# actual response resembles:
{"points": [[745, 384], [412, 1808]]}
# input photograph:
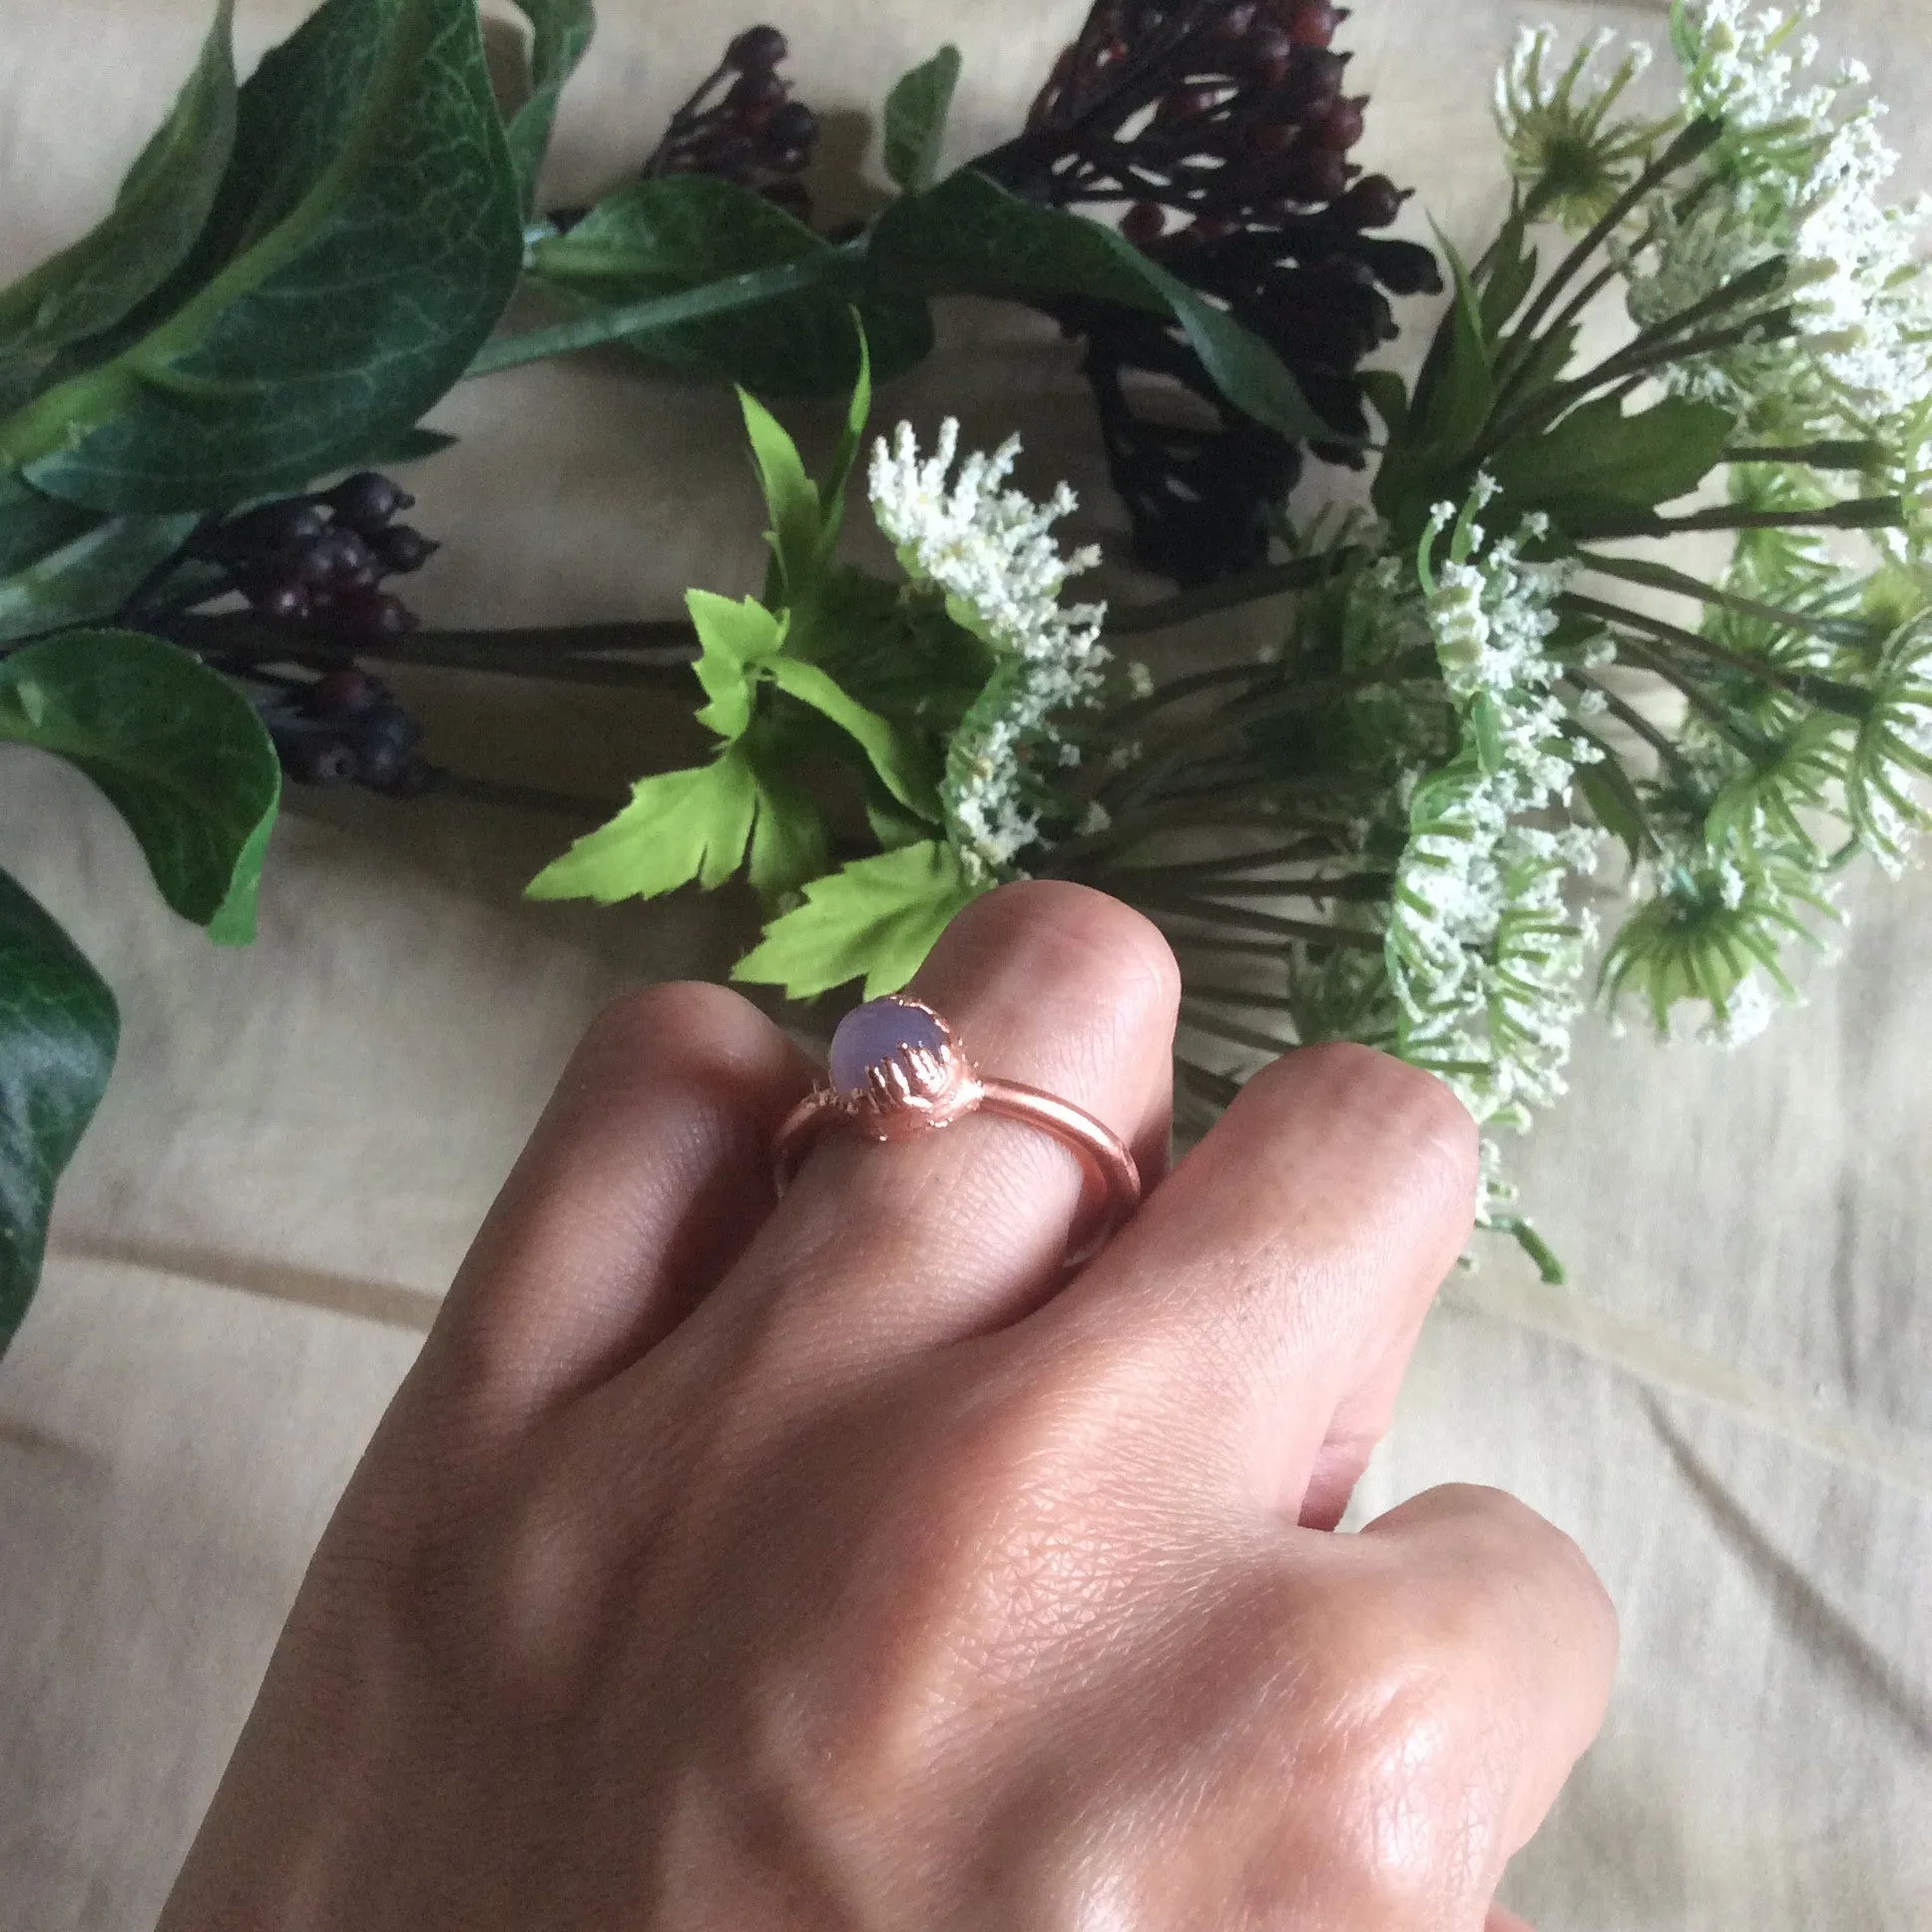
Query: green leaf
{"points": [[790, 496], [364, 241], [560, 32], [176, 749], [1387, 397], [915, 119], [1598, 458], [415, 445], [897, 757], [789, 839], [91, 577], [877, 918], [970, 237], [735, 637], [833, 491], [680, 232], [678, 826], [1510, 278], [1456, 389], [58, 1033], [32, 526], [154, 220]]}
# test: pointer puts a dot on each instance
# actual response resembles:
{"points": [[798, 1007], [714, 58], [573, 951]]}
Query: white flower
{"points": [[990, 550]]}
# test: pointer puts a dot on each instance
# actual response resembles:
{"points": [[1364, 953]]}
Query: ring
{"points": [[897, 1072]]}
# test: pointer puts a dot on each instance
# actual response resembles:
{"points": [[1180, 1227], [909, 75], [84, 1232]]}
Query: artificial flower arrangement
{"points": [[1518, 661]]}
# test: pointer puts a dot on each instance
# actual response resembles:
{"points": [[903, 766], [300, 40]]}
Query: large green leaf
{"points": [[896, 756], [161, 210], [970, 237], [91, 577], [32, 526], [58, 1034], [915, 119], [176, 749], [560, 31], [874, 919], [683, 231], [364, 241]]}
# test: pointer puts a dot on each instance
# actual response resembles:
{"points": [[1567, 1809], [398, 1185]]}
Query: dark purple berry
{"points": [[320, 762], [792, 125], [401, 548], [343, 693], [1374, 202], [274, 525], [1233, 24], [286, 603], [1313, 23], [1144, 222], [1342, 127], [756, 49], [373, 616], [367, 500]]}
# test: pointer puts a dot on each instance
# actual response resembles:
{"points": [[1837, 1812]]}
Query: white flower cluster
{"points": [[990, 549], [1799, 174], [1485, 961], [1557, 136]]}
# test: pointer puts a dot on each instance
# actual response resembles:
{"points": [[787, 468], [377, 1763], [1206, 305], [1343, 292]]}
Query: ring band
{"points": [[898, 1071]]}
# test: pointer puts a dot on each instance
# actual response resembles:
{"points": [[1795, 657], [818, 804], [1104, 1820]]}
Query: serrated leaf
{"points": [[970, 237], [365, 239], [735, 637], [1599, 458], [683, 231], [1456, 389], [789, 839], [177, 750], [560, 31], [59, 1031], [1510, 278], [915, 119], [876, 919], [897, 757], [154, 220], [791, 497], [91, 577], [679, 827]]}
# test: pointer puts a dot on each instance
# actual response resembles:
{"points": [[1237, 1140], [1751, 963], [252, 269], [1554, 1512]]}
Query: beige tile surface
{"points": [[1730, 1407]]}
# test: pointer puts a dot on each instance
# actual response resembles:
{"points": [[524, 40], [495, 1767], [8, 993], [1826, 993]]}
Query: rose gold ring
{"points": [[898, 1071]]}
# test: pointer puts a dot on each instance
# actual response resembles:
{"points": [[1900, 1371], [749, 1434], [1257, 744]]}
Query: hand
{"points": [[833, 1565]]}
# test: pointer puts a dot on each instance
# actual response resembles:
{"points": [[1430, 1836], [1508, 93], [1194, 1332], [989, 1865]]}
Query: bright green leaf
{"points": [[176, 749], [560, 31], [364, 241], [833, 490], [58, 1033], [91, 577], [156, 219], [735, 637], [679, 827], [876, 918], [897, 757], [915, 119], [678, 232], [970, 237], [790, 496], [789, 840]]}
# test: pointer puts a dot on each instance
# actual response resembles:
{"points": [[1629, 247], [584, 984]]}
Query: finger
{"points": [[1274, 1286], [1507, 1610], [882, 1248], [646, 1176], [1502, 1921]]}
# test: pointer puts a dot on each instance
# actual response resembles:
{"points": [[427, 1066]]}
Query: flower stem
{"points": [[1226, 593], [1660, 577]]}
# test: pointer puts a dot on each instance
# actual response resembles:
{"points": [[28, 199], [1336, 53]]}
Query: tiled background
{"points": [[1731, 1406]]}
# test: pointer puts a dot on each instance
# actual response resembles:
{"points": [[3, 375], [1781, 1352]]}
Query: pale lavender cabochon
{"points": [[873, 1032]]}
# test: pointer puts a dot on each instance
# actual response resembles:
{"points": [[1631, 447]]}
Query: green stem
{"points": [[1303, 853], [1125, 716], [1660, 577], [658, 312], [1251, 587], [1856, 513], [1181, 905], [1215, 1090], [1688, 146], [1231, 1031], [1826, 693], [1850, 455], [1633, 720]]}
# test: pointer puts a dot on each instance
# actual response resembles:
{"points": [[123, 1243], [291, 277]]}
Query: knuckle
{"points": [[1092, 936], [648, 1024]]}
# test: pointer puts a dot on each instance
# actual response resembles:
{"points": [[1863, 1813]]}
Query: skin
{"points": [[835, 1564]]}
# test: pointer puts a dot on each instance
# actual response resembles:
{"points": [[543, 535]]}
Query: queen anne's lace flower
{"points": [[991, 551]]}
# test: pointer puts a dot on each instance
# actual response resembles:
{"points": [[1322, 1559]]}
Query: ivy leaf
{"points": [[683, 231], [176, 747], [560, 31], [877, 918], [365, 239], [91, 577], [1597, 458], [897, 757], [970, 237], [58, 1033], [915, 119], [735, 638], [678, 826], [154, 220]]}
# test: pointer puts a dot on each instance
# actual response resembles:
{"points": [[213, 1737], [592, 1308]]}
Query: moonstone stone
{"points": [[873, 1033]]}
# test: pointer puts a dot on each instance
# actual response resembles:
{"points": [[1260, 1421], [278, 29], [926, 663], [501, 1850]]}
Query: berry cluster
{"points": [[742, 124], [1224, 126], [341, 728], [317, 563]]}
